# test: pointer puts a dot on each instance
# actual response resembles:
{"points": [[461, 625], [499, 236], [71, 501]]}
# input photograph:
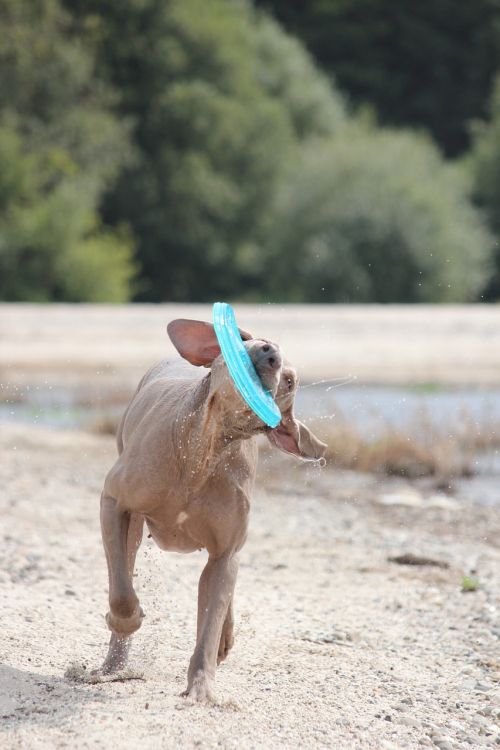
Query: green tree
{"points": [[376, 216], [429, 63], [484, 162], [59, 148], [219, 97]]}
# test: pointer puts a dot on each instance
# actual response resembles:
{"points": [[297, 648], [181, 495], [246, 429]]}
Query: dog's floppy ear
{"points": [[291, 436], [196, 341]]}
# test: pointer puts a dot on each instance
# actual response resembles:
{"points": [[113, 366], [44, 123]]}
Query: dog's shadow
{"points": [[33, 698]]}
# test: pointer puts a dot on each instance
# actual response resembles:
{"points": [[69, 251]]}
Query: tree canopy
{"points": [[421, 64], [60, 145], [189, 150], [375, 215], [218, 97]]}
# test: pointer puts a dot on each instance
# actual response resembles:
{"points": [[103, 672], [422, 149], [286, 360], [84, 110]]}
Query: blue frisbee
{"points": [[241, 367]]}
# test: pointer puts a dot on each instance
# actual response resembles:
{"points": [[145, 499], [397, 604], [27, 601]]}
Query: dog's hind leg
{"points": [[227, 636], [215, 591], [122, 535]]}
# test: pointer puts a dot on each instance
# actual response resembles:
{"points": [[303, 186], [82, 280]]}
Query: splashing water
{"points": [[338, 382]]}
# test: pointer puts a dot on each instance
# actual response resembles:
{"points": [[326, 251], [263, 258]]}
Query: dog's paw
{"points": [[79, 673], [108, 669], [200, 689]]}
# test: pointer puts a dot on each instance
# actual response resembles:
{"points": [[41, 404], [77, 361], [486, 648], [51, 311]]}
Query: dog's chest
{"points": [[174, 533]]}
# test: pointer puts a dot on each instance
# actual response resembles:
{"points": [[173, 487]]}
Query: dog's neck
{"points": [[211, 430]]}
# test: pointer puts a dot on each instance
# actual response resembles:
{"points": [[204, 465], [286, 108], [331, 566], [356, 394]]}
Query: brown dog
{"points": [[186, 466]]}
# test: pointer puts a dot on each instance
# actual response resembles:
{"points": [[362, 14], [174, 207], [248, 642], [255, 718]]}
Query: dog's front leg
{"points": [[215, 592], [121, 534]]}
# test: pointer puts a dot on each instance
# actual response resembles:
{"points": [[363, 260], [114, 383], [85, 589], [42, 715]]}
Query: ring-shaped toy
{"points": [[240, 366]]}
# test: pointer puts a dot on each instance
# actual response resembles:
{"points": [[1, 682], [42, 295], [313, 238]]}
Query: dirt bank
{"points": [[335, 646], [113, 345]]}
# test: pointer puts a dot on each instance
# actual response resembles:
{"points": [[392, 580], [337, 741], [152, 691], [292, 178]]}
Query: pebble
{"points": [[467, 670], [444, 743], [455, 725], [340, 635], [408, 701], [482, 687], [442, 501], [468, 684], [434, 730], [408, 498], [480, 721], [486, 711], [408, 721]]}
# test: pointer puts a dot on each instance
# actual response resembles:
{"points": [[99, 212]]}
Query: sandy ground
{"points": [[335, 646], [65, 344]]}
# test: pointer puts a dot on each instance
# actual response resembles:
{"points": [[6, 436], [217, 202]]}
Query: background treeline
{"points": [[195, 149]]}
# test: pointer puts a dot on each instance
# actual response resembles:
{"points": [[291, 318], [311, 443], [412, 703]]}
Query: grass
{"points": [[470, 584], [104, 424], [423, 449], [426, 387]]}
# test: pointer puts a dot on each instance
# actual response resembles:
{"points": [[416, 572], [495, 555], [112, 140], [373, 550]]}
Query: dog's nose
{"points": [[269, 356]]}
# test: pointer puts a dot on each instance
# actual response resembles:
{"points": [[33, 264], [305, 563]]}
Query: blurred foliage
{"points": [[219, 99], [424, 64], [484, 161], [376, 215], [60, 146], [189, 150]]}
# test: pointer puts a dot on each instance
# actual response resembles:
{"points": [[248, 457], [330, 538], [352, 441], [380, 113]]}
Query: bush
{"points": [[484, 162], [376, 215], [221, 97], [52, 246], [286, 72], [60, 147]]}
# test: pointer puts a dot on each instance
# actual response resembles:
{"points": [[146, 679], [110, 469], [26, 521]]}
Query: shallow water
{"points": [[375, 407], [370, 408]]}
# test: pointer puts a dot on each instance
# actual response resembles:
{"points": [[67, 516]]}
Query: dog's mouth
{"points": [[270, 380], [268, 362]]}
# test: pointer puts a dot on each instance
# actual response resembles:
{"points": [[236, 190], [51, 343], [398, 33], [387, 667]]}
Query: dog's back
{"points": [[171, 373]]}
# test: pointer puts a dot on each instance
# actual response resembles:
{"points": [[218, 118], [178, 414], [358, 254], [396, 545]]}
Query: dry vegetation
{"points": [[423, 449]]}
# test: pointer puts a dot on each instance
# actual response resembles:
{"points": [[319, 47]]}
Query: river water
{"points": [[371, 409], [374, 407]]}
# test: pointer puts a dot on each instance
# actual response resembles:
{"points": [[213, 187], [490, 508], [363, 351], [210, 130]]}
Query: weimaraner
{"points": [[186, 466]]}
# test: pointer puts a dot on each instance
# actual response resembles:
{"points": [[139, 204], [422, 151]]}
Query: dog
{"points": [[186, 466]]}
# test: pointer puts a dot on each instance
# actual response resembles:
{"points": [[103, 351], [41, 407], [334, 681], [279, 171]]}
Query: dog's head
{"points": [[197, 343]]}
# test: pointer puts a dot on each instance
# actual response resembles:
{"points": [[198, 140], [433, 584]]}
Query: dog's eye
{"points": [[289, 383]]}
